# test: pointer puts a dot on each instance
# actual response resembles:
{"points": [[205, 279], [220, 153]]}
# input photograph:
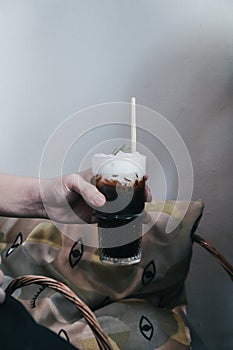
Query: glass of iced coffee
{"points": [[121, 178]]}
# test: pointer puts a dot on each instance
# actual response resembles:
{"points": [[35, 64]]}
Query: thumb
{"points": [[88, 191]]}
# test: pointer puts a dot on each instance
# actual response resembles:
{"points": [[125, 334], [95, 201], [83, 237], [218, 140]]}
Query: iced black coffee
{"points": [[121, 178]]}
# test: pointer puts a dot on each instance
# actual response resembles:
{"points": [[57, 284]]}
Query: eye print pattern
{"points": [[62, 333], [148, 273], [35, 297], [18, 241], [146, 328], [76, 253]]}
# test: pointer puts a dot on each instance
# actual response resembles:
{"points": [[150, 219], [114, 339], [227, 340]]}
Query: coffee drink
{"points": [[121, 178]]}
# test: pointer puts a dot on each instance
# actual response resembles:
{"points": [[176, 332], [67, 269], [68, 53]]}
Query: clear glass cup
{"points": [[121, 178]]}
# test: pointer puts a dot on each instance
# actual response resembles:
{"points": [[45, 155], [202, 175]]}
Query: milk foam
{"points": [[123, 167]]}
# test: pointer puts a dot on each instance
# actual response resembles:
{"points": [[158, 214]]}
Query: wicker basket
{"points": [[100, 336]]}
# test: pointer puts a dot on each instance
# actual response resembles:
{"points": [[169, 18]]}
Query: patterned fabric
{"points": [[139, 306]]}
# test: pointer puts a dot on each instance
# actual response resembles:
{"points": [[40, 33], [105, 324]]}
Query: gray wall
{"points": [[176, 57]]}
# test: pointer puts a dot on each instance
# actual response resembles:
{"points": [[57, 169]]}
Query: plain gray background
{"points": [[176, 57]]}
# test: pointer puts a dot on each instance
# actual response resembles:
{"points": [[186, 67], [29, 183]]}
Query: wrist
{"points": [[29, 203], [33, 204], [20, 196]]}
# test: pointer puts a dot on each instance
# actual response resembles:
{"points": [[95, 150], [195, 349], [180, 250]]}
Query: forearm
{"points": [[20, 196]]}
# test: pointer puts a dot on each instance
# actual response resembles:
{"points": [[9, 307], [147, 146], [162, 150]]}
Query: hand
{"points": [[67, 199], [72, 198]]}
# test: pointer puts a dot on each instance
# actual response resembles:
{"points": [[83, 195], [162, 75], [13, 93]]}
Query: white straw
{"points": [[133, 125]]}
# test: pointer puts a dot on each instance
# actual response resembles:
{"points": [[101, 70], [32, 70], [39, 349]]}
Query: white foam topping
{"points": [[122, 167]]}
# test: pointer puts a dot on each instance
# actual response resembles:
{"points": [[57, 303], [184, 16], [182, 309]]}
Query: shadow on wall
{"points": [[191, 84]]}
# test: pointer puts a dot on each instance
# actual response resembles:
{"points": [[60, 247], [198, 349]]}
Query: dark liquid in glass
{"points": [[123, 223]]}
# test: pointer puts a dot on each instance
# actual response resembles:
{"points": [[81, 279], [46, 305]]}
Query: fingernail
{"points": [[99, 199]]}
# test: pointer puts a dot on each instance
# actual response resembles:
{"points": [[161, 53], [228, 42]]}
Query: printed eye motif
{"points": [[146, 328], [76, 253], [62, 333], [18, 241], [148, 273], [35, 297]]}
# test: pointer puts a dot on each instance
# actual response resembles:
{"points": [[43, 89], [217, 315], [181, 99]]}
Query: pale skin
{"points": [[30, 197], [21, 197], [48, 198]]}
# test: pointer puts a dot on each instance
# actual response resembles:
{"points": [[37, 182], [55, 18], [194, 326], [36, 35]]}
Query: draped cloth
{"points": [[140, 306]]}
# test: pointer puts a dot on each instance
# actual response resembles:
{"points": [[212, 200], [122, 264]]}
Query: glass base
{"points": [[120, 261], [112, 235], [128, 254]]}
